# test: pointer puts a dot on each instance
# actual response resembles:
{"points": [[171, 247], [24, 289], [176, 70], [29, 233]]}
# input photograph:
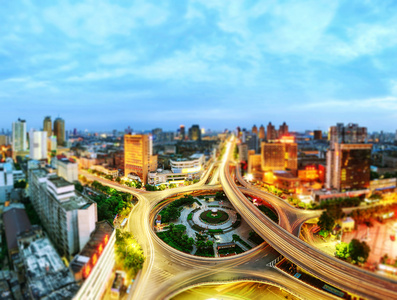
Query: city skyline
{"points": [[216, 64]]}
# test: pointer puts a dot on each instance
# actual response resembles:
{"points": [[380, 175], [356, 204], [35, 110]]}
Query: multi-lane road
{"points": [[330, 269], [168, 271]]}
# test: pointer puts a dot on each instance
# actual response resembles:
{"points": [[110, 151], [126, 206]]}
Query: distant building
{"points": [[47, 126], [59, 131], [19, 136], [317, 135], [138, 156], [182, 134], [68, 217], [281, 155], [262, 133], [271, 132], [195, 133], [349, 134], [243, 152], [3, 140], [283, 130], [348, 166], [38, 144], [254, 129]]}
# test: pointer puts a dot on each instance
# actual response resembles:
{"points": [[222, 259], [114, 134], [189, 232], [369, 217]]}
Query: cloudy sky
{"points": [[109, 64]]}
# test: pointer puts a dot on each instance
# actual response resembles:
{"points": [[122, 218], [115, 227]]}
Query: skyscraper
{"points": [[283, 130], [182, 132], [352, 134], [59, 131], [348, 166], [262, 132], [47, 126], [19, 136], [279, 156], [138, 156], [38, 144], [255, 129], [195, 133], [271, 132]]}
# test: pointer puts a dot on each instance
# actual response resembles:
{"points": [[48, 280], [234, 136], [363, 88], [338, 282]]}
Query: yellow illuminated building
{"points": [[138, 156]]}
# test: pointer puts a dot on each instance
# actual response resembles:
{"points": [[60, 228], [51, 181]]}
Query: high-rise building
{"points": [[182, 133], [138, 156], [317, 135], [195, 133], [3, 140], [38, 144], [68, 217], [19, 136], [351, 134], [67, 169], [47, 125], [254, 129], [283, 130], [348, 166], [262, 132], [278, 156], [271, 132], [59, 131]]}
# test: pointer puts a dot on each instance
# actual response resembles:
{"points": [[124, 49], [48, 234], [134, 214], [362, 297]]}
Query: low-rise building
{"points": [[93, 265], [347, 224], [67, 168]]}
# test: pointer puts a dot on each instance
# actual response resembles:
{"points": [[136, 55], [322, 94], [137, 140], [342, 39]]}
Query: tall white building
{"points": [[38, 144], [6, 182], [68, 217], [19, 136]]}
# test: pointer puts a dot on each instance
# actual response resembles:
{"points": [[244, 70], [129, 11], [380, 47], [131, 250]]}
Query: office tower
{"points": [[243, 152], [157, 134], [182, 132], [195, 133], [271, 132], [38, 144], [283, 130], [348, 166], [279, 156], [251, 139], [68, 217], [317, 135], [3, 140], [19, 136], [138, 158], [47, 126], [262, 132], [351, 134], [59, 131], [254, 129]]}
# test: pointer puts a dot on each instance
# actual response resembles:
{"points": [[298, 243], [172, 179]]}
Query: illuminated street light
{"points": [[250, 177]]}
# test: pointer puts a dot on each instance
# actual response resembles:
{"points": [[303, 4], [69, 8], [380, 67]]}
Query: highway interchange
{"points": [[168, 271]]}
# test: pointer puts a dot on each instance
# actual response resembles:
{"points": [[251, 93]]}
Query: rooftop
{"points": [[48, 276], [59, 181], [15, 222]]}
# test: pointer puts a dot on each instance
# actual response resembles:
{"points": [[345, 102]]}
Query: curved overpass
{"points": [[330, 269]]}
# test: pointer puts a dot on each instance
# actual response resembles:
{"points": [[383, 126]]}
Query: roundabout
{"points": [[204, 226]]}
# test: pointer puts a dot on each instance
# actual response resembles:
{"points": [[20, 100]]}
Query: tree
{"points": [[326, 221], [359, 251], [342, 250], [118, 179]]}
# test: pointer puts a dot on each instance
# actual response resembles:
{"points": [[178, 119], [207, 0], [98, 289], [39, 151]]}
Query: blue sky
{"points": [[108, 64]]}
